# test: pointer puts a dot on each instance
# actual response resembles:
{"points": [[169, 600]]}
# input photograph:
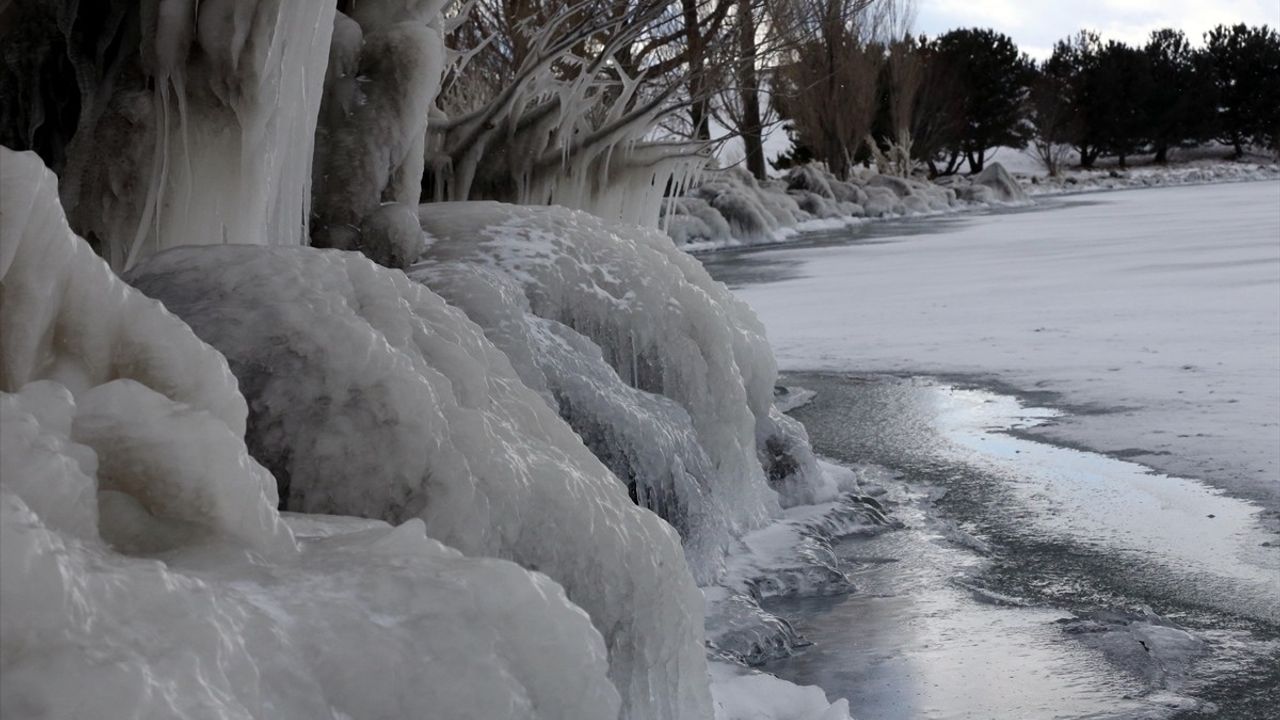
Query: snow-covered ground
{"points": [[1154, 314]]}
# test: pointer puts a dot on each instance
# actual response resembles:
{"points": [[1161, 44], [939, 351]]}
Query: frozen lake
{"points": [[1154, 314], [1034, 579]]}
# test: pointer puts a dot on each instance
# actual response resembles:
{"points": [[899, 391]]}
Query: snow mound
{"points": [[145, 571], [353, 371], [661, 323]]}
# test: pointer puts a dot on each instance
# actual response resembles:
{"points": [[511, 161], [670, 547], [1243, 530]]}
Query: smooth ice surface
{"points": [[742, 694], [370, 396], [1158, 306]]}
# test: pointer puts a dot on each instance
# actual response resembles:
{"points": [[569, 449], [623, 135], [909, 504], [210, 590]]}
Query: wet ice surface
{"points": [[1031, 580]]}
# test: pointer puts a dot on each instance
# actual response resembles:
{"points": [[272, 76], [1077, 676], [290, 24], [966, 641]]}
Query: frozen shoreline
{"points": [[1011, 548], [1037, 187]]}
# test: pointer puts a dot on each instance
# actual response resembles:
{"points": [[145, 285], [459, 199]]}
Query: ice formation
{"points": [[731, 208], [145, 571], [355, 371], [384, 71], [196, 122], [742, 694], [661, 324]]}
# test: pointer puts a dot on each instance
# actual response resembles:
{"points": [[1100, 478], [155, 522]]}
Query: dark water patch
{"points": [[1112, 585]]}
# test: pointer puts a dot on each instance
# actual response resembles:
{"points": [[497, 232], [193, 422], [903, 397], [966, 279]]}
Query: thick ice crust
{"points": [[370, 396], [146, 573]]}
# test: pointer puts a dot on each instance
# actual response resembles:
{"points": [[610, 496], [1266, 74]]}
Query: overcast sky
{"points": [[1036, 24]]}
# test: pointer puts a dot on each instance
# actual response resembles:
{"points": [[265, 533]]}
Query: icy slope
{"points": [[145, 572], [370, 396], [661, 324], [646, 440]]}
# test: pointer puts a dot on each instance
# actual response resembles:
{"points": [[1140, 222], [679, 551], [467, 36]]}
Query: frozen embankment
{"points": [[143, 469], [732, 208]]}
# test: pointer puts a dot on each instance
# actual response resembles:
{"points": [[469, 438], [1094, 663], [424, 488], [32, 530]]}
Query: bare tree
{"points": [[903, 78], [827, 87]]}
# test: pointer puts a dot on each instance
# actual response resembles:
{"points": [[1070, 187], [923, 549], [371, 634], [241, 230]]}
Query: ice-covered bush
{"points": [[146, 573], [751, 211], [810, 198], [370, 396], [662, 324]]}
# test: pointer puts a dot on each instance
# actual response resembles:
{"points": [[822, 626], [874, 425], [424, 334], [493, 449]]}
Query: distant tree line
{"points": [[946, 103]]}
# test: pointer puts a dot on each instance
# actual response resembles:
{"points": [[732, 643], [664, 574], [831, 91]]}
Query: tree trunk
{"points": [[698, 113], [752, 125]]}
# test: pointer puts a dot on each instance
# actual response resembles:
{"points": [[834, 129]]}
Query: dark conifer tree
{"points": [[1074, 69], [992, 77], [1123, 88], [1180, 98], [1244, 64]]}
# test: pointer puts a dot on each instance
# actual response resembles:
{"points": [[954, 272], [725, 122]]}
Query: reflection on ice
{"points": [[1024, 582]]}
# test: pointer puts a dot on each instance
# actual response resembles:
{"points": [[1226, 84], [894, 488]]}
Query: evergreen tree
{"points": [[1180, 98], [992, 77], [1123, 89], [1074, 69], [1244, 64]]}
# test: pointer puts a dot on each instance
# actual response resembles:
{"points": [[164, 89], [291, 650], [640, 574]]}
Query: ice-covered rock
{"points": [[647, 440], [692, 219], [1003, 187], [146, 573], [370, 396], [391, 236]]}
